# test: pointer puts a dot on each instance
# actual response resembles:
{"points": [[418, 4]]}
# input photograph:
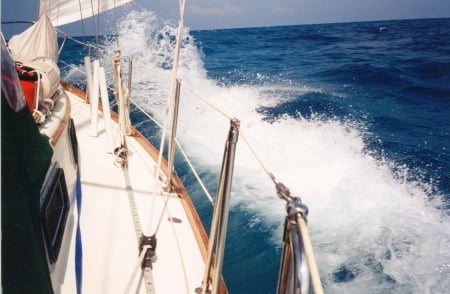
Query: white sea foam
{"points": [[374, 230]]}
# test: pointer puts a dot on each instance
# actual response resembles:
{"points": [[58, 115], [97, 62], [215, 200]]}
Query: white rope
{"points": [[309, 252], [183, 152], [74, 40], [136, 268], [39, 116], [200, 182], [241, 132], [255, 155], [217, 109]]}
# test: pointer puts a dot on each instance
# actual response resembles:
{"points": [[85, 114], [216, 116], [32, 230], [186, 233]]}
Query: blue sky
{"points": [[213, 14], [207, 14], [248, 13]]}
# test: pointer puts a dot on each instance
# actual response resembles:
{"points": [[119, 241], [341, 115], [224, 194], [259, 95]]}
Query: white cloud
{"points": [[224, 10], [282, 10]]}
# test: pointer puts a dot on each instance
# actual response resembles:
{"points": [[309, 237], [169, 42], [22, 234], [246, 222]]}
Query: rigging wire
{"points": [[96, 20], [117, 26], [241, 132], [171, 96], [83, 31]]}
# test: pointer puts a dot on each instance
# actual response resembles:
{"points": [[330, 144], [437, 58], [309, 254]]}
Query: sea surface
{"points": [[354, 118]]}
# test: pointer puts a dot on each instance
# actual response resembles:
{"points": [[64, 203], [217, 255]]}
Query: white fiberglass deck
{"points": [[110, 247]]}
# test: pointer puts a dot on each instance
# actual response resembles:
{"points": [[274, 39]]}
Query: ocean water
{"points": [[354, 118]]}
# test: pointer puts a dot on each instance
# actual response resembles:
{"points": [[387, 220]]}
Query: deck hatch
{"points": [[54, 212]]}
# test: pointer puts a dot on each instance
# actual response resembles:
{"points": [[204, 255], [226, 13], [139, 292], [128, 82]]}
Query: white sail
{"points": [[39, 40], [63, 12]]}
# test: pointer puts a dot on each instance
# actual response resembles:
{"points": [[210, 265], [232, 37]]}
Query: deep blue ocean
{"points": [[352, 117]]}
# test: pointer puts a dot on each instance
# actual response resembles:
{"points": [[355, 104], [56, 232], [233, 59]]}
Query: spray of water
{"points": [[371, 228]]}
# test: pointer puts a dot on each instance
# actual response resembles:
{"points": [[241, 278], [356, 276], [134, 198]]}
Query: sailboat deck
{"points": [[116, 204]]}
